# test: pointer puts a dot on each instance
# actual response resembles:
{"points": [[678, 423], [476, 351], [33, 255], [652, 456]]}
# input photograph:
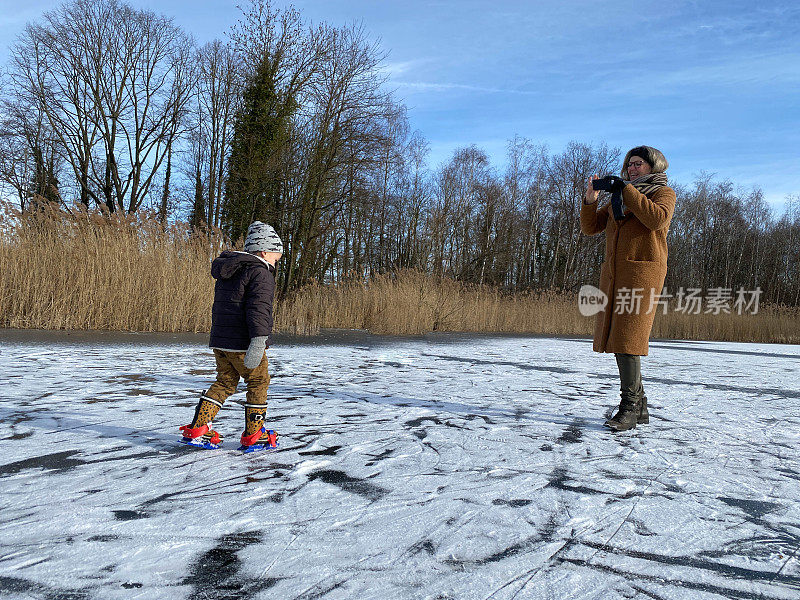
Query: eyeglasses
{"points": [[635, 163]]}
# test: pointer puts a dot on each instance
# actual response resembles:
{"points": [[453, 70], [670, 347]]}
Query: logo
{"points": [[591, 300]]}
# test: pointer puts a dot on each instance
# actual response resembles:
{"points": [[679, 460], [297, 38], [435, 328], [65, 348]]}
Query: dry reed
{"points": [[410, 303], [93, 271], [117, 272]]}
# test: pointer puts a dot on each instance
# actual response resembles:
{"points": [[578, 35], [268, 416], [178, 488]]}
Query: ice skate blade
{"points": [[258, 448], [198, 443]]}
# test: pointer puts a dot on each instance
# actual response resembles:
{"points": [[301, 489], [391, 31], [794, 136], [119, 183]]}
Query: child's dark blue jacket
{"points": [[243, 298]]}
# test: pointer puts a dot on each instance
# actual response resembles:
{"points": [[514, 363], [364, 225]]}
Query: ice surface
{"points": [[473, 467]]}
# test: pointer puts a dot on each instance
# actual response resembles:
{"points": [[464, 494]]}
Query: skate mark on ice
{"points": [[275, 498], [513, 550], [425, 545], [440, 406], [757, 548], [201, 372], [417, 422], [543, 536], [640, 528], [103, 538], [726, 571], [790, 473], [133, 378], [754, 509], [614, 498], [318, 590], [414, 426], [646, 593], [17, 436], [472, 417], [58, 462], [560, 480], [126, 457], [758, 391], [722, 569], [529, 574], [345, 482], [224, 485], [331, 451], [516, 503], [376, 458], [131, 435], [39, 590], [129, 515], [98, 400], [573, 433], [724, 592], [548, 531], [137, 391], [504, 363], [217, 573], [718, 351]]}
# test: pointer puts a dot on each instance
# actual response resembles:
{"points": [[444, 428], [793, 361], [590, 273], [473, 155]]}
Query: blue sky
{"points": [[714, 85]]}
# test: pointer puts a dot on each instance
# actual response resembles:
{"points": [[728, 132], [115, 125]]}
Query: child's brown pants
{"points": [[230, 368]]}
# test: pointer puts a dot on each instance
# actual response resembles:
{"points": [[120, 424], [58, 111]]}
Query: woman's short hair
{"points": [[654, 158]]}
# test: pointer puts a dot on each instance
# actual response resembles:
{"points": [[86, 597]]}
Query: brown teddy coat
{"points": [[636, 258]]}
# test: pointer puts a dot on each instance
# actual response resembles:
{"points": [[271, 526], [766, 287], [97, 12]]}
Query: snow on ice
{"points": [[445, 467]]}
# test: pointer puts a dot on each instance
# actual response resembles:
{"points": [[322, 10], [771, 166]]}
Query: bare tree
{"points": [[113, 83], [527, 186], [340, 125], [29, 161], [569, 173], [213, 106]]}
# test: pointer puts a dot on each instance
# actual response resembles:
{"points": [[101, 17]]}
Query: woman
{"points": [[635, 266]]}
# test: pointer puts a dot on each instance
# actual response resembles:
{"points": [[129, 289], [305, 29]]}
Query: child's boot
{"points": [[199, 432], [263, 439], [256, 436]]}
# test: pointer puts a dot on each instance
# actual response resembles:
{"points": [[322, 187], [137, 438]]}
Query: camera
{"points": [[614, 185], [609, 183]]}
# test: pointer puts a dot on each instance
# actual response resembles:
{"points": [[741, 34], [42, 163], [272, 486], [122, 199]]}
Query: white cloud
{"points": [[399, 68], [446, 87]]}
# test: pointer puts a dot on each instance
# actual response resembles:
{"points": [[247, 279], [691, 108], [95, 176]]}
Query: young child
{"points": [[241, 323]]}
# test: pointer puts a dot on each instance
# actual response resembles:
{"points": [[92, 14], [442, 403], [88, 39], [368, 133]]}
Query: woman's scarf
{"points": [[647, 184]]}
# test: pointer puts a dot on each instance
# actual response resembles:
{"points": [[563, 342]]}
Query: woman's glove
{"points": [[255, 352], [616, 184]]}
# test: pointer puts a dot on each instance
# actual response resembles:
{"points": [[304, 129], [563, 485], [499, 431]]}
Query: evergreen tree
{"points": [[260, 134]]}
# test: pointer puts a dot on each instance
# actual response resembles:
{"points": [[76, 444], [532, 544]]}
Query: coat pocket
{"points": [[647, 276]]}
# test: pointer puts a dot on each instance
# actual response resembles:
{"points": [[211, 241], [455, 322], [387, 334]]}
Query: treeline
{"points": [[109, 107]]}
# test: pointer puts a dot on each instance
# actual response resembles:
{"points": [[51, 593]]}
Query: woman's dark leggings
{"points": [[630, 376]]}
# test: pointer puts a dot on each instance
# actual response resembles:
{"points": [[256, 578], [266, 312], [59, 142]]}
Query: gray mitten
{"points": [[255, 352]]}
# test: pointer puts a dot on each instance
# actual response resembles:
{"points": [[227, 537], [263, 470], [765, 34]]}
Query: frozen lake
{"points": [[447, 467]]}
